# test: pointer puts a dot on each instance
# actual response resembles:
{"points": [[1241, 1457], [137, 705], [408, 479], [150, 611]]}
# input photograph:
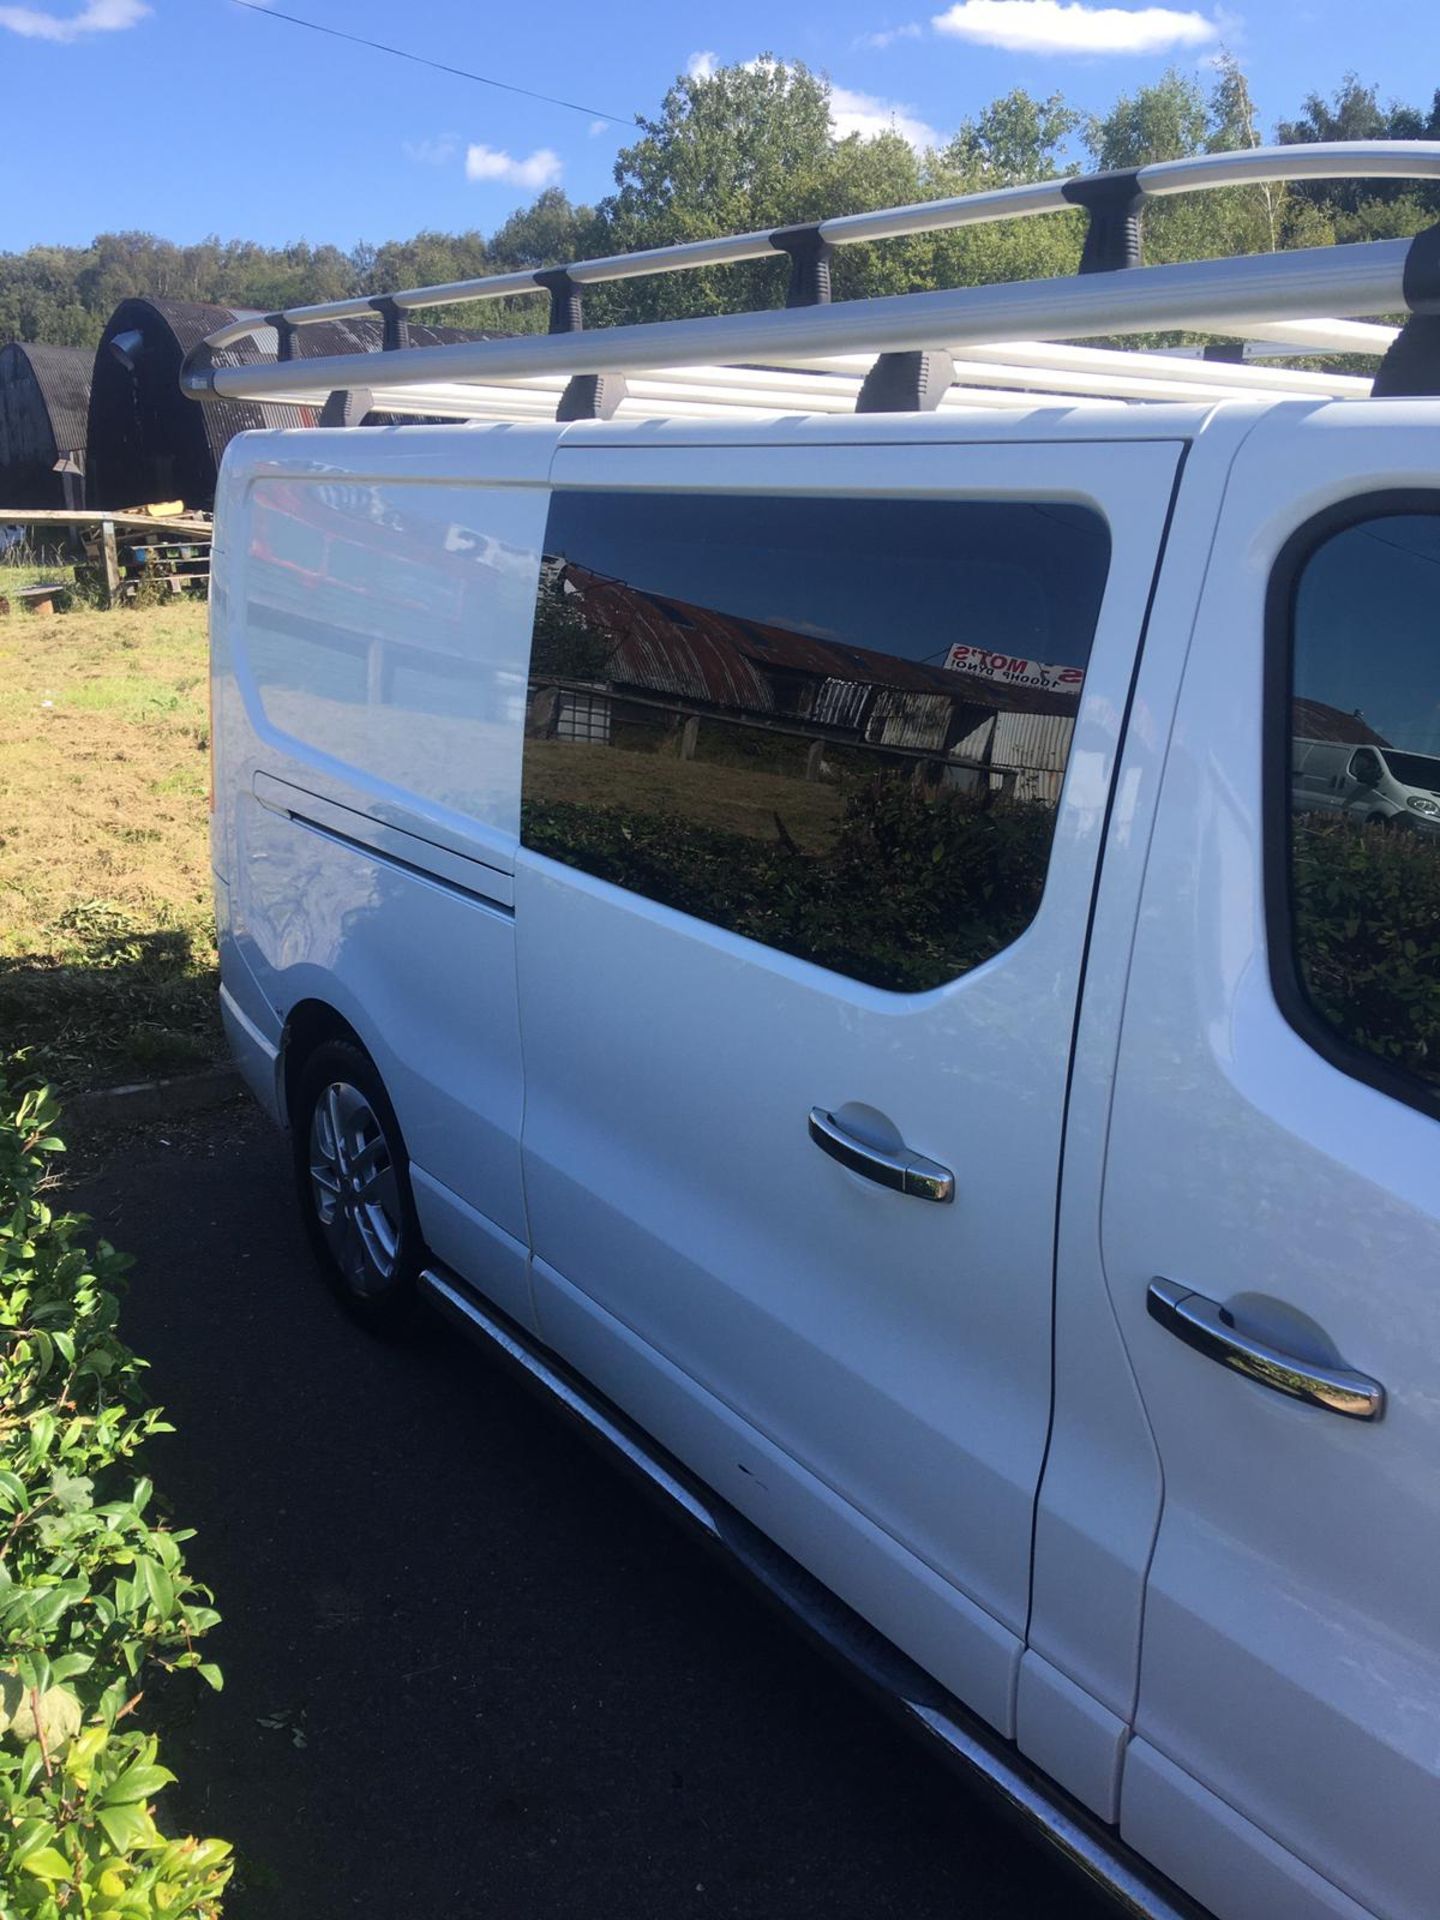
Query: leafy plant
{"points": [[916, 888], [95, 1598], [1367, 935]]}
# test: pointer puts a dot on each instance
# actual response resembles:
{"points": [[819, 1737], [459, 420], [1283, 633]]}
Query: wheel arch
{"points": [[309, 1024]]}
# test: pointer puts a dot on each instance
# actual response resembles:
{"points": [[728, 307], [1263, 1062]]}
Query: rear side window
{"points": [[1361, 798], [836, 726]]}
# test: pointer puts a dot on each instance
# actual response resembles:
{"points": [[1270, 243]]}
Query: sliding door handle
{"points": [[904, 1172], [1204, 1325]]}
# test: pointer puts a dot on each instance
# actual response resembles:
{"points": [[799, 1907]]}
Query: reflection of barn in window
{"points": [[661, 665], [584, 717], [1314, 720]]}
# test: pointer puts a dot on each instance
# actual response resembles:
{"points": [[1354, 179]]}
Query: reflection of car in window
{"points": [[1371, 782]]}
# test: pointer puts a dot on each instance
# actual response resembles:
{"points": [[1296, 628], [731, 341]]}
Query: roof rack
{"points": [[996, 344]]}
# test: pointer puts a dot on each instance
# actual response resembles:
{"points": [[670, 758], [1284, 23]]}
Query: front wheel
{"points": [[352, 1180]]}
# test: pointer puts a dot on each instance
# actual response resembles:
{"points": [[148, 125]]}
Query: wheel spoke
{"points": [[355, 1188], [365, 1157], [337, 1130]]}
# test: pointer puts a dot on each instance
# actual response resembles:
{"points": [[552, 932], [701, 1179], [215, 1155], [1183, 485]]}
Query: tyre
{"points": [[353, 1183]]}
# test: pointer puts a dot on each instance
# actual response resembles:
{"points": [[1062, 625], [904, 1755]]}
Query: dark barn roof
{"points": [[149, 443], [44, 394]]}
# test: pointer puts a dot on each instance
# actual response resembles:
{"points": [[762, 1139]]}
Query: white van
{"points": [[1374, 780], [801, 930]]}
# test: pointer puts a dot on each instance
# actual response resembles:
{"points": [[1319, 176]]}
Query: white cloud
{"points": [[887, 36], [1070, 26], [597, 127], [700, 66], [432, 153], [541, 169], [96, 16], [862, 113]]}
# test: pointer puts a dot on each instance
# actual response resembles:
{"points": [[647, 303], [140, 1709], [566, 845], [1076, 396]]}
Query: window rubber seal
{"points": [[1277, 860]]}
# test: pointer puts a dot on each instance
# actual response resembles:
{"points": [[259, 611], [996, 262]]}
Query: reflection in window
{"points": [[836, 726], [1365, 788]]}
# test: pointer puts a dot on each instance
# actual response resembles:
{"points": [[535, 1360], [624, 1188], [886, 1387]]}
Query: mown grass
{"points": [[15, 574], [107, 946], [706, 793]]}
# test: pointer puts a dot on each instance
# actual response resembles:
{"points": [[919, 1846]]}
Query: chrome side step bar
{"points": [[1019, 1790]]}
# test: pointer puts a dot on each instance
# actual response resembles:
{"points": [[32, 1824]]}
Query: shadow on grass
{"points": [[116, 1005]]}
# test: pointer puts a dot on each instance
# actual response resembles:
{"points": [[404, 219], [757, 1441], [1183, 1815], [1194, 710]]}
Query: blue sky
{"points": [[190, 117]]}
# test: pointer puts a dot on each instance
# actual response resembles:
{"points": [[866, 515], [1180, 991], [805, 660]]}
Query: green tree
{"points": [[1354, 113], [1171, 120], [746, 148], [1015, 139]]}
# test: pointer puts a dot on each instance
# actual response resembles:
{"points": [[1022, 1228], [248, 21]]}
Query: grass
{"points": [[729, 798], [28, 565], [107, 945], [27, 573]]}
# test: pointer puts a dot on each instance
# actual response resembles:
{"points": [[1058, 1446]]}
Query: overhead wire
{"points": [[440, 66]]}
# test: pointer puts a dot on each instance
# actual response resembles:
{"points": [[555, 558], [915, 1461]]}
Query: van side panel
{"points": [[370, 711]]}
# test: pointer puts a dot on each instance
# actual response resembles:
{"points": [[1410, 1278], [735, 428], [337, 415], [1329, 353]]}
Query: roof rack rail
{"points": [[1307, 300]]}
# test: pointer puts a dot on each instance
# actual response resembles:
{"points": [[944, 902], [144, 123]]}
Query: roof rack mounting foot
{"points": [[907, 382], [1113, 202], [1412, 363], [591, 396], [395, 327], [285, 331], [1411, 366], [809, 265], [567, 313], [346, 407]]}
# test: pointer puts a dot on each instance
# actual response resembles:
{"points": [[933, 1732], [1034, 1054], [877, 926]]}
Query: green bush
{"points": [[1367, 935], [917, 888], [94, 1597]]}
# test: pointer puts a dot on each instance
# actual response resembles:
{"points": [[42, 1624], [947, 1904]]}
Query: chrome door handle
{"points": [[904, 1171], [1204, 1325]]}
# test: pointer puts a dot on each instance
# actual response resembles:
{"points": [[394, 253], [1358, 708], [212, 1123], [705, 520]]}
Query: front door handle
{"points": [[1204, 1325], [904, 1171]]}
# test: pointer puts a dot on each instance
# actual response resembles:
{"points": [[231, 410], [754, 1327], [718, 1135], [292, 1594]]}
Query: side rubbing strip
{"points": [[411, 852], [1009, 1783]]}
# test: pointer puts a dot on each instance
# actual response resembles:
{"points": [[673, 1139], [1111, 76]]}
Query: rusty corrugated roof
{"points": [[1313, 720], [674, 646]]}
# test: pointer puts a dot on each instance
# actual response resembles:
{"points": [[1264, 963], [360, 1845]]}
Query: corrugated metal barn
{"points": [[984, 732], [147, 442], [44, 398]]}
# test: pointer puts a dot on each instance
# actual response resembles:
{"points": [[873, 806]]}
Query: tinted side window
{"points": [[1364, 791], [837, 726]]}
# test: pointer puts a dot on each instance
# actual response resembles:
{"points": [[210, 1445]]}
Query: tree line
{"points": [[752, 147]]}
